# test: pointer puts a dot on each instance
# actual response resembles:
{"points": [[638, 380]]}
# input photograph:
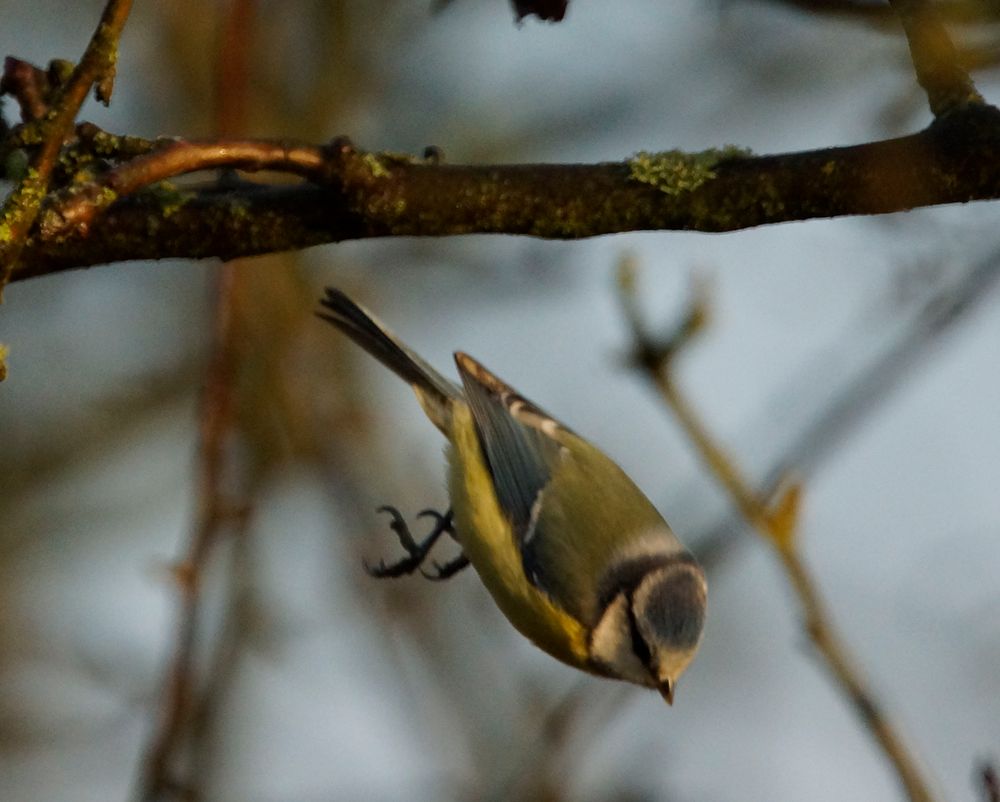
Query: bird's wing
{"points": [[517, 440]]}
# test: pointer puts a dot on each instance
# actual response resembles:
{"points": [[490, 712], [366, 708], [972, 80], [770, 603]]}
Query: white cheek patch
{"points": [[611, 645]]}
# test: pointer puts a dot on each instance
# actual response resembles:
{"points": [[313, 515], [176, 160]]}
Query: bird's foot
{"points": [[417, 551]]}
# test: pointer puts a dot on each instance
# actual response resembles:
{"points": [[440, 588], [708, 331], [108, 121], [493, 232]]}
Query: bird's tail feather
{"points": [[433, 390]]}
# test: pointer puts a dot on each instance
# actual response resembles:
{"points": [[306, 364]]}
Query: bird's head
{"points": [[652, 620]]}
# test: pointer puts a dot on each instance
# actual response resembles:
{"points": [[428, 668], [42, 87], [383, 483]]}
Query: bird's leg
{"points": [[417, 551], [444, 571]]}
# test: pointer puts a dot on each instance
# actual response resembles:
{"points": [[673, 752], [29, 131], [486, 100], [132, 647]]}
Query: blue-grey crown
{"points": [[674, 608]]}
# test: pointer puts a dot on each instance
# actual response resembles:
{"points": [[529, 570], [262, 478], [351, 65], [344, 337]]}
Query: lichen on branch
{"points": [[675, 172]]}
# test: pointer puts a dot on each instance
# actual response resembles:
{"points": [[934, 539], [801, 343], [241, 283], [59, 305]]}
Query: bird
{"points": [[575, 556]]}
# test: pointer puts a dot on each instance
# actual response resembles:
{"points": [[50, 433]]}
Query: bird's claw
{"points": [[417, 551]]}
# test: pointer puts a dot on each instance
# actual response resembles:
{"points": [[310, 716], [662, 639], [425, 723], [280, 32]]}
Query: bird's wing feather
{"points": [[515, 436]]}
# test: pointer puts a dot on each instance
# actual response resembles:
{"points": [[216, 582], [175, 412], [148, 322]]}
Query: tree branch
{"points": [[22, 206], [778, 525], [124, 214]]}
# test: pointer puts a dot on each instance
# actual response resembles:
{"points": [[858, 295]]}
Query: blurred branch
{"points": [[881, 14], [935, 60], [124, 208], [990, 782], [535, 767], [216, 513], [100, 427], [778, 525], [841, 386], [187, 715], [22, 206], [955, 61], [870, 11]]}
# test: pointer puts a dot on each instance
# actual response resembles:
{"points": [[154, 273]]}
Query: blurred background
{"points": [[187, 445]]}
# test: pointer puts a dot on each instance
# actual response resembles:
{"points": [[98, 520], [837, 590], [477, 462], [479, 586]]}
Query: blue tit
{"points": [[572, 552]]}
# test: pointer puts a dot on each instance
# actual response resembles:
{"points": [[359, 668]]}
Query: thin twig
{"points": [[778, 526], [22, 206], [938, 67]]}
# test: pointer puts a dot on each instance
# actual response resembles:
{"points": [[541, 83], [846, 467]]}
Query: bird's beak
{"points": [[666, 689]]}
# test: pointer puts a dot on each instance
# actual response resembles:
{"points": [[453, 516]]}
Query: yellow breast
{"points": [[488, 541]]}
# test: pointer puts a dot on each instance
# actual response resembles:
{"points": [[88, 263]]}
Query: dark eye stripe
{"points": [[639, 646]]}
